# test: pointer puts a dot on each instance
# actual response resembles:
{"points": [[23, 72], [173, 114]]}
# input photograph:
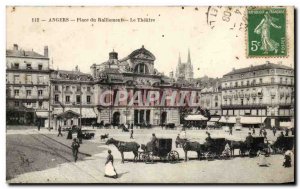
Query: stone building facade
{"points": [[27, 86], [264, 92]]}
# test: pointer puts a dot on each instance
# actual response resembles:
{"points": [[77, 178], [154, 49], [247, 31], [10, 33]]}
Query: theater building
{"points": [[261, 94], [135, 74]]}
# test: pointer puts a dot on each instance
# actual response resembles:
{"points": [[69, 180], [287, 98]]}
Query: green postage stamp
{"points": [[267, 32]]}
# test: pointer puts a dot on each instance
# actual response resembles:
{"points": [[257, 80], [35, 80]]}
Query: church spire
{"points": [[189, 57], [179, 59]]}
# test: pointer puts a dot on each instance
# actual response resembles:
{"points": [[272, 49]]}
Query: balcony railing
{"points": [[258, 84]]}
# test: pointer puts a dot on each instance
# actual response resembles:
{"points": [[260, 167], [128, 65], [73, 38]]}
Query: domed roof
{"points": [[141, 53]]}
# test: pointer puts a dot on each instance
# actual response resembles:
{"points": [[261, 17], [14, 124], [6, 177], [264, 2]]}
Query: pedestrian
{"points": [[59, 131], [287, 159], [265, 133], [292, 131], [260, 132], [262, 161], [79, 135], [110, 170], [274, 131], [286, 132], [69, 136], [39, 125], [75, 148], [131, 133]]}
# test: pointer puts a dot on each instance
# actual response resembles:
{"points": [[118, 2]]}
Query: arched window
{"points": [[141, 69]]}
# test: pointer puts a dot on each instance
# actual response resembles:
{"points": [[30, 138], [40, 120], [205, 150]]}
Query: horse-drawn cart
{"points": [[283, 144], [161, 149]]}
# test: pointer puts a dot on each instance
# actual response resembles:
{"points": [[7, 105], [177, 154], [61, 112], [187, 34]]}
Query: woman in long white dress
{"points": [[262, 160], [110, 170]]}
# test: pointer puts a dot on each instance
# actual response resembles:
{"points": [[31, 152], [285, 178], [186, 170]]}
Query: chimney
{"points": [[46, 51], [15, 47]]}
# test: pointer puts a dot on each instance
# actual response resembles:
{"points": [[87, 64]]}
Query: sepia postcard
{"points": [[150, 95]]}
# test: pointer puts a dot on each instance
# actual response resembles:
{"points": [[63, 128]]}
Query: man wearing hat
{"points": [[249, 140], [75, 147]]}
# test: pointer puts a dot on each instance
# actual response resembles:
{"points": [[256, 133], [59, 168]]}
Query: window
{"points": [[260, 80], [40, 92], [16, 92], [40, 103], [216, 104], [88, 89], [40, 79], [141, 68], [242, 83], [28, 92], [281, 80], [67, 88], [78, 88], [17, 103], [28, 79], [56, 98], [56, 87], [248, 83], [28, 103], [236, 84], [28, 66], [67, 99], [16, 78], [254, 100], [16, 66], [40, 67], [88, 99], [78, 99], [242, 101], [286, 81], [272, 80], [254, 82]]}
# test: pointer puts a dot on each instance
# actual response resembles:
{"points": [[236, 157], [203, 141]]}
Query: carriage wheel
{"points": [[173, 156], [146, 157]]}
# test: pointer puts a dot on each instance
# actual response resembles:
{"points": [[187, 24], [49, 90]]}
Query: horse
{"points": [[192, 146], [102, 137], [237, 145], [125, 147]]}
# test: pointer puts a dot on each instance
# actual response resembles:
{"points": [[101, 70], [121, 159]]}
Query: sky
{"points": [[215, 49]]}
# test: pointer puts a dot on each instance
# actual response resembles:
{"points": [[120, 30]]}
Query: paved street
{"points": [[40, 156]]}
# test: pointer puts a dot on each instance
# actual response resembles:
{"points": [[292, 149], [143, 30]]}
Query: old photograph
{"points": [[150, 95]]}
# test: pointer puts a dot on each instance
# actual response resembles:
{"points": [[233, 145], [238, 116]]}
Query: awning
{"points": [[68, 115], [252, 120], [42, 114], [88, 113], [214, 119], [229, 120], [197, 117], [286, 124]]}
